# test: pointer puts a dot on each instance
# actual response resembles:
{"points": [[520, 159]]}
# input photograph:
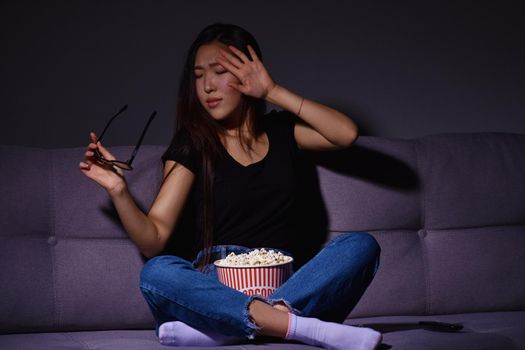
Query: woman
{"points": [[235, 163]]}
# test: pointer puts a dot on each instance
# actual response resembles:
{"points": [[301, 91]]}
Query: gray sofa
{"points": [[448, 211]]}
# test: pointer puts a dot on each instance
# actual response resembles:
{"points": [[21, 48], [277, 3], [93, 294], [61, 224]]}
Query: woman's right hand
{"points": [[109, 177]]}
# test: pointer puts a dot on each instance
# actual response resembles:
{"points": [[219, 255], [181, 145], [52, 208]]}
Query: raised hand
{"points": [[109, 177], [254, 79]]}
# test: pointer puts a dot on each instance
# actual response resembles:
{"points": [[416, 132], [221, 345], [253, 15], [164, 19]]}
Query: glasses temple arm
{"points": [[110, 121], [141, 138]]}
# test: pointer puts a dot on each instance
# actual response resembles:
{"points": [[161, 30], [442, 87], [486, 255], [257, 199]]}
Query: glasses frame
{"points": [[98, 157]]}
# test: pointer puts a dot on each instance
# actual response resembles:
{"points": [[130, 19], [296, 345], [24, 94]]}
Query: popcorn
{"points": [[258, 272], [256, 257]]}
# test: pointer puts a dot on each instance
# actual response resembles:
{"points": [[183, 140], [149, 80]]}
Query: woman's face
{"points": [[211, 82]]}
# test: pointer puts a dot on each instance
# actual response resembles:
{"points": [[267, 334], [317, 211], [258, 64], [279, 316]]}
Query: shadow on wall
{"points": [[360, 162], [359, 117], [357, 162]]}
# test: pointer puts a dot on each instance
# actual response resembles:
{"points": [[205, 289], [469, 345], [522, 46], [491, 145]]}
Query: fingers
{"points": [[96, 148], [105, 153], [238, 87], [97, 145], [237, 57], [253, 54], [226, 64], [85, 165], [234, 62], [234, 59], [92, 146], [239, 53]]}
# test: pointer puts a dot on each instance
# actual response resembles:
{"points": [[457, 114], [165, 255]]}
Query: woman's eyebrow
{"points": [[210, 65]]}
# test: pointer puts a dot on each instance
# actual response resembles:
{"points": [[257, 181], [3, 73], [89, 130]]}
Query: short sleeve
{"points": [[282, 123], [182, 151]]}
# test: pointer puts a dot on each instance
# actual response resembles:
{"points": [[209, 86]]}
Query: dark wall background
{"points": [[400, 69]]}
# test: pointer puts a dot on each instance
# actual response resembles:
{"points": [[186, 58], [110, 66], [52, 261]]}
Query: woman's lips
{"points": [[213, 103]]}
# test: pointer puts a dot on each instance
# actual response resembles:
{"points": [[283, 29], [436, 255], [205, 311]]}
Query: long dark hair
{"points": [[203, 130]]}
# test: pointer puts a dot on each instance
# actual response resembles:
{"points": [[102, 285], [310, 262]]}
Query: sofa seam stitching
{"points": [[52, 232], [83, 345], [101, 240], [424, 253]]}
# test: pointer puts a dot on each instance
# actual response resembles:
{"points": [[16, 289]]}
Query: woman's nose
{"points": [[209, 85]]}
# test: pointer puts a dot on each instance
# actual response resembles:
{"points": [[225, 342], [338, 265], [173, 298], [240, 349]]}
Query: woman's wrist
{"points": [[273, 93], [286, 99], [118, 189]]}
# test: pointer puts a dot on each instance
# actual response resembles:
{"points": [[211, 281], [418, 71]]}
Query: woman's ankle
{"points": [[270, 320], [281, 307]]}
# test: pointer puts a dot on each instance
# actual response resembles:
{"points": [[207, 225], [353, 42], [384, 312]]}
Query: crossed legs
{"points": [[237, 317]]}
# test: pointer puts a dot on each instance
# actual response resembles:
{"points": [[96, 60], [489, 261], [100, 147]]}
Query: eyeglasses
{"points": [[118, 163]]}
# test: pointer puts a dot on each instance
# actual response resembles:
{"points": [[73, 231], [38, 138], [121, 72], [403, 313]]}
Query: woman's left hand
{"points": [[254, 79]]}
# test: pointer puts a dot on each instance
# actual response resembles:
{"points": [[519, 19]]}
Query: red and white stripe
{"points": [[254, 280]]}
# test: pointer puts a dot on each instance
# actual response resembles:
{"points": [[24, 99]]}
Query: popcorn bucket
{"points": [[254, 280]]}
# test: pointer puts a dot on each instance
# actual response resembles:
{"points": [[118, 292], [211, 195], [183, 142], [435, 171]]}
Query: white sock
{"points": [[333, 336], [177, 333]]}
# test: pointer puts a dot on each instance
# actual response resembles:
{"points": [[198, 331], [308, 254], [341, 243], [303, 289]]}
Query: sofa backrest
{"points": [[447, 210], [65, 261], [450, 218]]}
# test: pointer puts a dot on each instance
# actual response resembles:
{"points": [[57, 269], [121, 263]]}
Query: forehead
{"points": [[207, 53]]}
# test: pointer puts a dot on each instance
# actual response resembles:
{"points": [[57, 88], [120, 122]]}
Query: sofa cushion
{"points": [[28, 294], [83, 209], [472, 180], [482, 331], [26, 262], [69, 263], [95, 261], [97, 285], [371, 186], [474, 270], [129, 340], [490, 331], [400, 277], [26, 203]]}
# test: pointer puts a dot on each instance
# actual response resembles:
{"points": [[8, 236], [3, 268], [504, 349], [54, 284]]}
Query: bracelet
{"points": [[300, 107]]}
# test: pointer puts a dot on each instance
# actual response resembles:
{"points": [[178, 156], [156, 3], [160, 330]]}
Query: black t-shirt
{"points": [[253, 204]]}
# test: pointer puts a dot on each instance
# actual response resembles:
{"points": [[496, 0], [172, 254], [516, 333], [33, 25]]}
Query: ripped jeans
{"points": [[327, 287]]}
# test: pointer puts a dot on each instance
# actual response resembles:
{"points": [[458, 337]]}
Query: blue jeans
{"points": [[326, 287]]}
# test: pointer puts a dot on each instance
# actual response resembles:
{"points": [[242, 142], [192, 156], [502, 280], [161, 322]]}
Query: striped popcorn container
{"points": [[252, 280]]}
